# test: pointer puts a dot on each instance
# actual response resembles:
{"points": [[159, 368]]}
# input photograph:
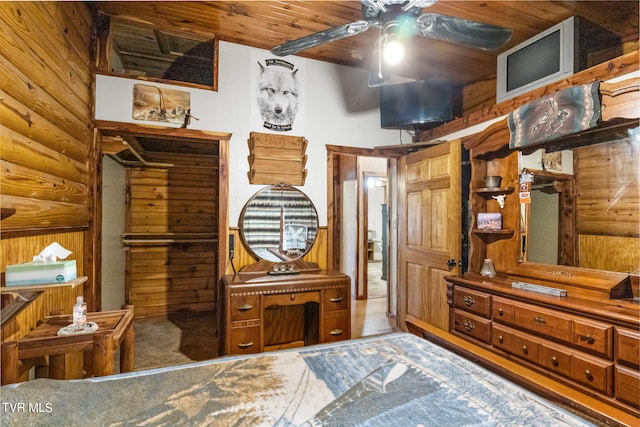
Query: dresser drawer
{"points": [[473, 326], [627, 385], [244, 307], [595, 373], [244, 340], [502, 338], [526, 348], [542, 322], [336, 299], [335, 326], [556, 359], [593, 336], [627, 345], [473, 301], [502, 310], [291, 298]]}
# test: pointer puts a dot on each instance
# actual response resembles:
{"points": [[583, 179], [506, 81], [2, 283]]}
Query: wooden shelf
{"points": [[490, 236], [488, 193], [16, 290]]}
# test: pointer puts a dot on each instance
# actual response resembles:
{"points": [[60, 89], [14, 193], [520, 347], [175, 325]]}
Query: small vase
{"points": [[487, 269]]}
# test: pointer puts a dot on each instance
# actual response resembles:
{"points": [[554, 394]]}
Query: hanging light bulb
{"points": [[393, 51]]}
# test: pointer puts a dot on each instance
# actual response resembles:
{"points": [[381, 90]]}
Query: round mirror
{"points": [[279, 224]]}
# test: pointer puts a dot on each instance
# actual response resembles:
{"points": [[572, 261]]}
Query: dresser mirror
{"points": [[278, 224], [584, 210]]}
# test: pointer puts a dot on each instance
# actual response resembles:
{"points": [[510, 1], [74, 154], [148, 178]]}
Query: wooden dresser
{"points": [[590, 344], [261, 312]]}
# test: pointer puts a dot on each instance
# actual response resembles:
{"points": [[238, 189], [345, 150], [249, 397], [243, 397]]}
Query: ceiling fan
{"points": [[397, 21]]}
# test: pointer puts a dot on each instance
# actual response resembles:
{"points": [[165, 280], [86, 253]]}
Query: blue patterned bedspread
{"points": [[393, 380]]}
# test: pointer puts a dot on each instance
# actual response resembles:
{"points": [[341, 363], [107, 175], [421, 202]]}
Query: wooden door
{"points": [[429, 230]]}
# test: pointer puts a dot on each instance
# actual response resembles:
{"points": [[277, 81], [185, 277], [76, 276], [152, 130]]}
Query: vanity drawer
{"points": [[594, 336], [473, 301], [336, 299], [335, 326], [627, 345], [627, 387], [245, 340], [472, 325], [292, 298], [244, 307], [595, 373]]}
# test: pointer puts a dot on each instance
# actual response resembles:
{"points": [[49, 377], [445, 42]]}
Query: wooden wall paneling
{"points": [[607, 213], [46, 116], [175, 208], [317, 254]]}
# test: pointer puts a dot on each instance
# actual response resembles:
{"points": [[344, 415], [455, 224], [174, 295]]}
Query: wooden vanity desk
{"points": [[262, 311]]}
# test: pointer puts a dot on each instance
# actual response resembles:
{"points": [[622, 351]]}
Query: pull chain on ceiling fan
{"points": [[398, 21]]}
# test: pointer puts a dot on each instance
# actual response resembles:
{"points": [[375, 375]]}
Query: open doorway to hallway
{"points": [[360, 243]]}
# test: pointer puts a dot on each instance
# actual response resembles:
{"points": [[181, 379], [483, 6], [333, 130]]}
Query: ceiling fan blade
{"points": [[463, 31], [336, 33]]}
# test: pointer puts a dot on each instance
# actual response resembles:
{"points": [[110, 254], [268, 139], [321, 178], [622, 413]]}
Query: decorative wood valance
{"points": [[277, 159]]}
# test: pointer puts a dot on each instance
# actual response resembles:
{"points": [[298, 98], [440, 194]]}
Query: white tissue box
{"points": [[32, 273]]}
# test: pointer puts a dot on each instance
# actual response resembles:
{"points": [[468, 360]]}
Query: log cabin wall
{"points": [[171, 215], [46, 134], [607, 217]]}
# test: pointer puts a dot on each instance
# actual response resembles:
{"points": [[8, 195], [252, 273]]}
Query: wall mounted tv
{"points": [[573, 45], [415, 105]]}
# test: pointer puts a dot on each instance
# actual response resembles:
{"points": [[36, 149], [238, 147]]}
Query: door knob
{"points": [[451, 264]]}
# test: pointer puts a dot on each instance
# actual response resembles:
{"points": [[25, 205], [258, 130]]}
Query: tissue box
{"points": [[40, 273]]}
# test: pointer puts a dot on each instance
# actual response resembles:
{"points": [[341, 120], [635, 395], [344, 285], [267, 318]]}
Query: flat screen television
{"points": [[409, 105], [543, 59]]}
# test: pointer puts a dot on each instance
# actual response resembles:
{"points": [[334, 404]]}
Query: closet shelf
{"points": [[167, 238]]}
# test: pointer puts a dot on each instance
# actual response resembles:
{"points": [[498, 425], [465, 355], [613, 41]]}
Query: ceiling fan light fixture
{"points": [[392, 51]]}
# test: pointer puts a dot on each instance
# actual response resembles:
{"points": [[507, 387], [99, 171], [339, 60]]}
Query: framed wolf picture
{"points": [[278, 91]]}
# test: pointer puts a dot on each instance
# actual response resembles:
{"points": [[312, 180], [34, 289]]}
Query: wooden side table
{"points": [[115, 329]]}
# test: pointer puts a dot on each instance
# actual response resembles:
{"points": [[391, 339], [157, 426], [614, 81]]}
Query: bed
{"points": [[397, 379]]}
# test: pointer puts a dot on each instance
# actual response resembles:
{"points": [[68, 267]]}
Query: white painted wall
{"points": [[113, 225], [340, 110]]}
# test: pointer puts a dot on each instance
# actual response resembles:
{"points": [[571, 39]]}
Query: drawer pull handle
{"points": [[292, 297], [500, 339], [245, 344], [554, 361], [468, 300], [245, 307], [588, 338], [525, 350], [336, 332], [500, 312], [338, 299], [540, 320], [468, 325], [588, 375]]}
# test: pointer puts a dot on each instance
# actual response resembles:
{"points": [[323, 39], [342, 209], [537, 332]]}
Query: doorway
{"points": [[360, 238]]}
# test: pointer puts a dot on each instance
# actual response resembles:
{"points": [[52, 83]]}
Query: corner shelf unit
{"points": [[488, 193]]}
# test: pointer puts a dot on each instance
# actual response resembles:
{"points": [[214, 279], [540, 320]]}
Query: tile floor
{"points": [[185, 337]]}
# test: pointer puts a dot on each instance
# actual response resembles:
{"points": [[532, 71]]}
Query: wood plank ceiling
{"points": [[264, 24]]}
